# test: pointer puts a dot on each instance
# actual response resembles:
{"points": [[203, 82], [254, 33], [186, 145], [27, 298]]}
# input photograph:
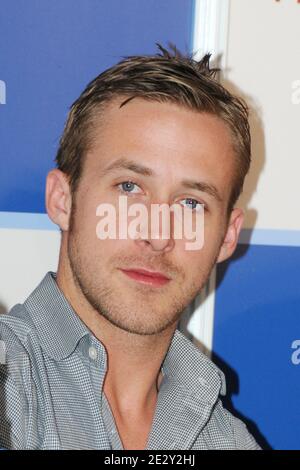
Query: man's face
{"points": [[174, 144]]}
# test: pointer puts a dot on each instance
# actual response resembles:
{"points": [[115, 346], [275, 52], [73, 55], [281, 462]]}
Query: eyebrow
{"points": [[131, 165], [122, 164], [203, 187]]}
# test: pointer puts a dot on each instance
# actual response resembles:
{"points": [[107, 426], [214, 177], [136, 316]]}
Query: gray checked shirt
{"points": [[51, 380]]}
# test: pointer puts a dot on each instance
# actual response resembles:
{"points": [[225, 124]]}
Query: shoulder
{"points": [[231, 431], [16, 382], [16, 333], [19, 346], [15, 325]]}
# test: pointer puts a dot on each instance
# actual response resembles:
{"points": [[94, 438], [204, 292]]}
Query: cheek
{"points": [[89, 211], [198, 261], [214, 227]]}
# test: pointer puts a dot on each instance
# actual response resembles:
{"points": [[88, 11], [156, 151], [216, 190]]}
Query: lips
{"points": [[153, 278], [148, 273]]}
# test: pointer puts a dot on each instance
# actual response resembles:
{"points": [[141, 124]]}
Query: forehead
{"points": [[171, 139]]}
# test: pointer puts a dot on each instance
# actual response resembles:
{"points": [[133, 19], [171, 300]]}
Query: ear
{"points": [[58, 198], [232, 234]]}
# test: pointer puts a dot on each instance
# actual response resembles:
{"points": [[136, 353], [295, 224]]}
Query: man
{"points": [[93, 356]]}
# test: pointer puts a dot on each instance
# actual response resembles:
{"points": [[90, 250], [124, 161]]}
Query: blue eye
{"points": [[127, 186], [193, 204]]}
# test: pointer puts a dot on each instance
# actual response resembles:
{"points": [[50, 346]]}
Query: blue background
{"points": [[256, 321], [50, 50]]}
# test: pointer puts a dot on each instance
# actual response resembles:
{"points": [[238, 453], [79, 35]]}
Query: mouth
{"points": [[152, 278]]}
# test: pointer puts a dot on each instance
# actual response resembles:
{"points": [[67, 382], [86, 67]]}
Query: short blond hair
{"points": [[167, 76]]}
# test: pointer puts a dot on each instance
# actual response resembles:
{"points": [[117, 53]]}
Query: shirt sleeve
{"points": [[13, 404], [232, 433], [243, 439]]}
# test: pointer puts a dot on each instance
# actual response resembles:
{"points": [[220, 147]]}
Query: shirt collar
{"points": [[58, 327], [193, 370]]}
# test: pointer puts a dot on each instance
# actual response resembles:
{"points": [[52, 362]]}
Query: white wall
{"points": [[263, 61], [34, 252]]}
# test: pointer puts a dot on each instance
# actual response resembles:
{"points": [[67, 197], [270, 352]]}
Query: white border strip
{"points": [[26, 220], [270, 237], [201, 322], [209, 35], [211, 29]]}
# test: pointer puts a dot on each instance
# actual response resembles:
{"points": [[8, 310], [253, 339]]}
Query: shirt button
{"points": [[202, 381], [93, 353]]}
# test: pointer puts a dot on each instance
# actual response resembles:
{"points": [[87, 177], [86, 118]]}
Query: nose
{"points": [[157, 245], [157, 235]]}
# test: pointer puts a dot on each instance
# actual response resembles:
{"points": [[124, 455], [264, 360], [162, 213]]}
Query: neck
{"points": [[133, 361]]}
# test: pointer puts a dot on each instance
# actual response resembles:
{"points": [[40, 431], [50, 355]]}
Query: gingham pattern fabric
{"points": [[51, 386]]}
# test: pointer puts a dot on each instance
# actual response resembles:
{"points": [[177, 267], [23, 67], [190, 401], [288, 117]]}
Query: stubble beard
{"points": [[142, 311]]}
